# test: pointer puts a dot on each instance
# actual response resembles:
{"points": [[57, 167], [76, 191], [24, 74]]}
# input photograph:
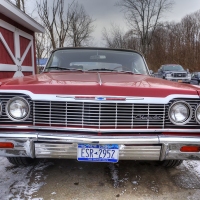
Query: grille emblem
{"points": [[100, 98]]}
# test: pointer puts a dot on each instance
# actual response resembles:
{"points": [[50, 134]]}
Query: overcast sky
{"points": [[104, 12]]}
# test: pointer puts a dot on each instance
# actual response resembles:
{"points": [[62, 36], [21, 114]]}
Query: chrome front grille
{"points": [[98, 115], [179, 75]]}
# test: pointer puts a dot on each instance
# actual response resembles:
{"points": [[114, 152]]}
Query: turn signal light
{"points": [[8, 145], [190, 149]]}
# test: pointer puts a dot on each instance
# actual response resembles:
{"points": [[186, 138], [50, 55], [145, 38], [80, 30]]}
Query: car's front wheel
{"points": [[21, 161], [171, 163]]}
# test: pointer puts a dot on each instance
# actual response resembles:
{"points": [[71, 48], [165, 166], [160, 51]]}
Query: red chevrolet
{"points": [[98, 105]]}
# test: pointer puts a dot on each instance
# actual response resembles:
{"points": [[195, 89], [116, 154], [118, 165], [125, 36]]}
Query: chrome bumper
{"points": [[183, 79], [51, 145]]}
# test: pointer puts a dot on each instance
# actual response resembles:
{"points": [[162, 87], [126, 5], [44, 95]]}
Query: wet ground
{"points": [[73, 180]]}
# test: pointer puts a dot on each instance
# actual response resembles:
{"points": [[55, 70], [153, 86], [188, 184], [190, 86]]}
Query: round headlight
{"points": [[197, 114], [18, 109], [180, 113]]}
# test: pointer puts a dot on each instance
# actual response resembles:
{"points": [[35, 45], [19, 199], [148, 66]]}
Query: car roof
{"points": [[97, 48], [170, 64]]}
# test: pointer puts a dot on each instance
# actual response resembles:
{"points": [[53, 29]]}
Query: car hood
{"points": [[101, 83]]}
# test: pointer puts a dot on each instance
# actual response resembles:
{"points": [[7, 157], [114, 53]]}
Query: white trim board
{"points": [[12, 12]]}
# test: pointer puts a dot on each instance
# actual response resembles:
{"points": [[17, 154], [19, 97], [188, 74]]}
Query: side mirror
{"points": [[151, 72]]}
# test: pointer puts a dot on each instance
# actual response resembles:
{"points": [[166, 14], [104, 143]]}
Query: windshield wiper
{"points": [[128, 72], [64, 69], [112, 70], [102, 69]]}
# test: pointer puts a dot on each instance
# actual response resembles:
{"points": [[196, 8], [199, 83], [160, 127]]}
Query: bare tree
{"points": [[19, 3], [65, 25], [115, 37], [63, 21], [42, 45], [80, 25], [49, 21], [177, 43], [55, 20], [143, 16]]}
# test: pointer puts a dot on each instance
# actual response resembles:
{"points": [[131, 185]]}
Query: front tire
{"points": [[171, 163], [21, 161]]}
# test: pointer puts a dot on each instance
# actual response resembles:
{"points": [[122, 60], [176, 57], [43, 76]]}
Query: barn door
{"points": [[16, 52]]}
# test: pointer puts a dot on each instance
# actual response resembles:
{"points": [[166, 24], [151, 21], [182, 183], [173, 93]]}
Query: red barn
{"points": [[17, 41]]}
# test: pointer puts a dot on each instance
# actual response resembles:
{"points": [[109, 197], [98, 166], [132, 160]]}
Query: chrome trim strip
{"points": [[45, 137], [100, 82], [102, 130], [129, 99], [63, 96], [56, 137]]}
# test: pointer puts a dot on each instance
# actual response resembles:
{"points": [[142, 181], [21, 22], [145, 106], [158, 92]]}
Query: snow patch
{"points": [[193, 165]]}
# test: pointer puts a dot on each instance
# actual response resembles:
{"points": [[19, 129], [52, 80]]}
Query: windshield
{"points": [[96, 60], [173, 68]]}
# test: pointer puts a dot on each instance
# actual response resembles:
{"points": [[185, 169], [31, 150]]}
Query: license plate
{"points": [[179, 80], [98, 152]]}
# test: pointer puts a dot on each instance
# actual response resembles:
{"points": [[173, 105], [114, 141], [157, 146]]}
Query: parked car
{"points": [[98, 105], [174, 72], [195, 79]]}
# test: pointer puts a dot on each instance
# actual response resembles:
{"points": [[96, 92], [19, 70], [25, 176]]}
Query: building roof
{"points": [[10, 10]]}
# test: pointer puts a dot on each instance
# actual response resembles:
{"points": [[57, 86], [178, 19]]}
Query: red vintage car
{"points": [[98, 105]]}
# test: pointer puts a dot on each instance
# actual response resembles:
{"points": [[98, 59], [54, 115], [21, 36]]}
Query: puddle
{"points": [[114, 172], [22, 182]]}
